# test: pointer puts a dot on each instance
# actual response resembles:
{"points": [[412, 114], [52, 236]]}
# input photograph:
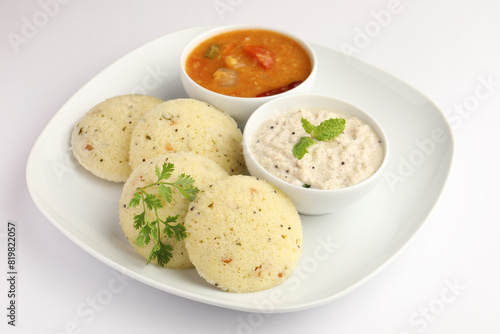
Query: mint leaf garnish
{"points": [[329, 129], [326, 130], [300, 149]]}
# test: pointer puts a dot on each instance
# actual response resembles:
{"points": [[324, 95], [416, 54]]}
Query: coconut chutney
{"points": [[343, 161]]}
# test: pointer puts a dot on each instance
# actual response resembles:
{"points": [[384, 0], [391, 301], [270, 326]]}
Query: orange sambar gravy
{"points": [[249, 63]]}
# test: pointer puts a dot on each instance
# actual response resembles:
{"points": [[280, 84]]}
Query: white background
{"points": [[445, 49]]}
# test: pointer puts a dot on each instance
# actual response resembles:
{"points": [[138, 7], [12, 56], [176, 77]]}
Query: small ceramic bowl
{"points": [[240, 108], [308, 200]]}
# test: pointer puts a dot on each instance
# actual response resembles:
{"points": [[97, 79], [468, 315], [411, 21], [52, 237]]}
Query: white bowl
{"points": [[240, 108], [307, 200]]}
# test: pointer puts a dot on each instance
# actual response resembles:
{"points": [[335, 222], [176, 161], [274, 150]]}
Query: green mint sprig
{"points": [[151, 229], [326, 130]]}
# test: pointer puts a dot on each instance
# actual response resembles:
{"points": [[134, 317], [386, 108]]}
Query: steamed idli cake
{"points": [[243, 234], [203, 170], [100, 141], [187, 125]]}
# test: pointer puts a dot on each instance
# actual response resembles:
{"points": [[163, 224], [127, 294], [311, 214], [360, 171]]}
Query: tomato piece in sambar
{"points": [[248, 63]]}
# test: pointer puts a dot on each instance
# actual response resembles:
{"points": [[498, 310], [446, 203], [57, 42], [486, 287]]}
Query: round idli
{"points": [[203, 170], [243, 234], [100, 141], [188, 125]]}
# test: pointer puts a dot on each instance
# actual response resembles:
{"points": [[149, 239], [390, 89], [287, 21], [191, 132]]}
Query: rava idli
{"points": [[243, 234], [100, 141], [188, 125], [203, 170]]}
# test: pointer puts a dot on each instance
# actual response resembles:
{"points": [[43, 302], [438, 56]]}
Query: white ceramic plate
{"points": [[341, 250]]}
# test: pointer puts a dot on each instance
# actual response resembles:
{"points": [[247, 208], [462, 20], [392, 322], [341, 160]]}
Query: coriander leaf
{"points": [[171, 219], [300, 149], [165, 192], [329, 129], [139, 220], [185, 184], [154, 252], [144, 236], [307, 126], [135, 200], [184, 180], [167, 230], [162, 252], [166, 171], [149, 230], [152, 202], [179, 231], [154, 230]]}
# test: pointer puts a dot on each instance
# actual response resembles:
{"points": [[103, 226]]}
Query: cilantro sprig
{"points": [[326, 130], [152, 229]]}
